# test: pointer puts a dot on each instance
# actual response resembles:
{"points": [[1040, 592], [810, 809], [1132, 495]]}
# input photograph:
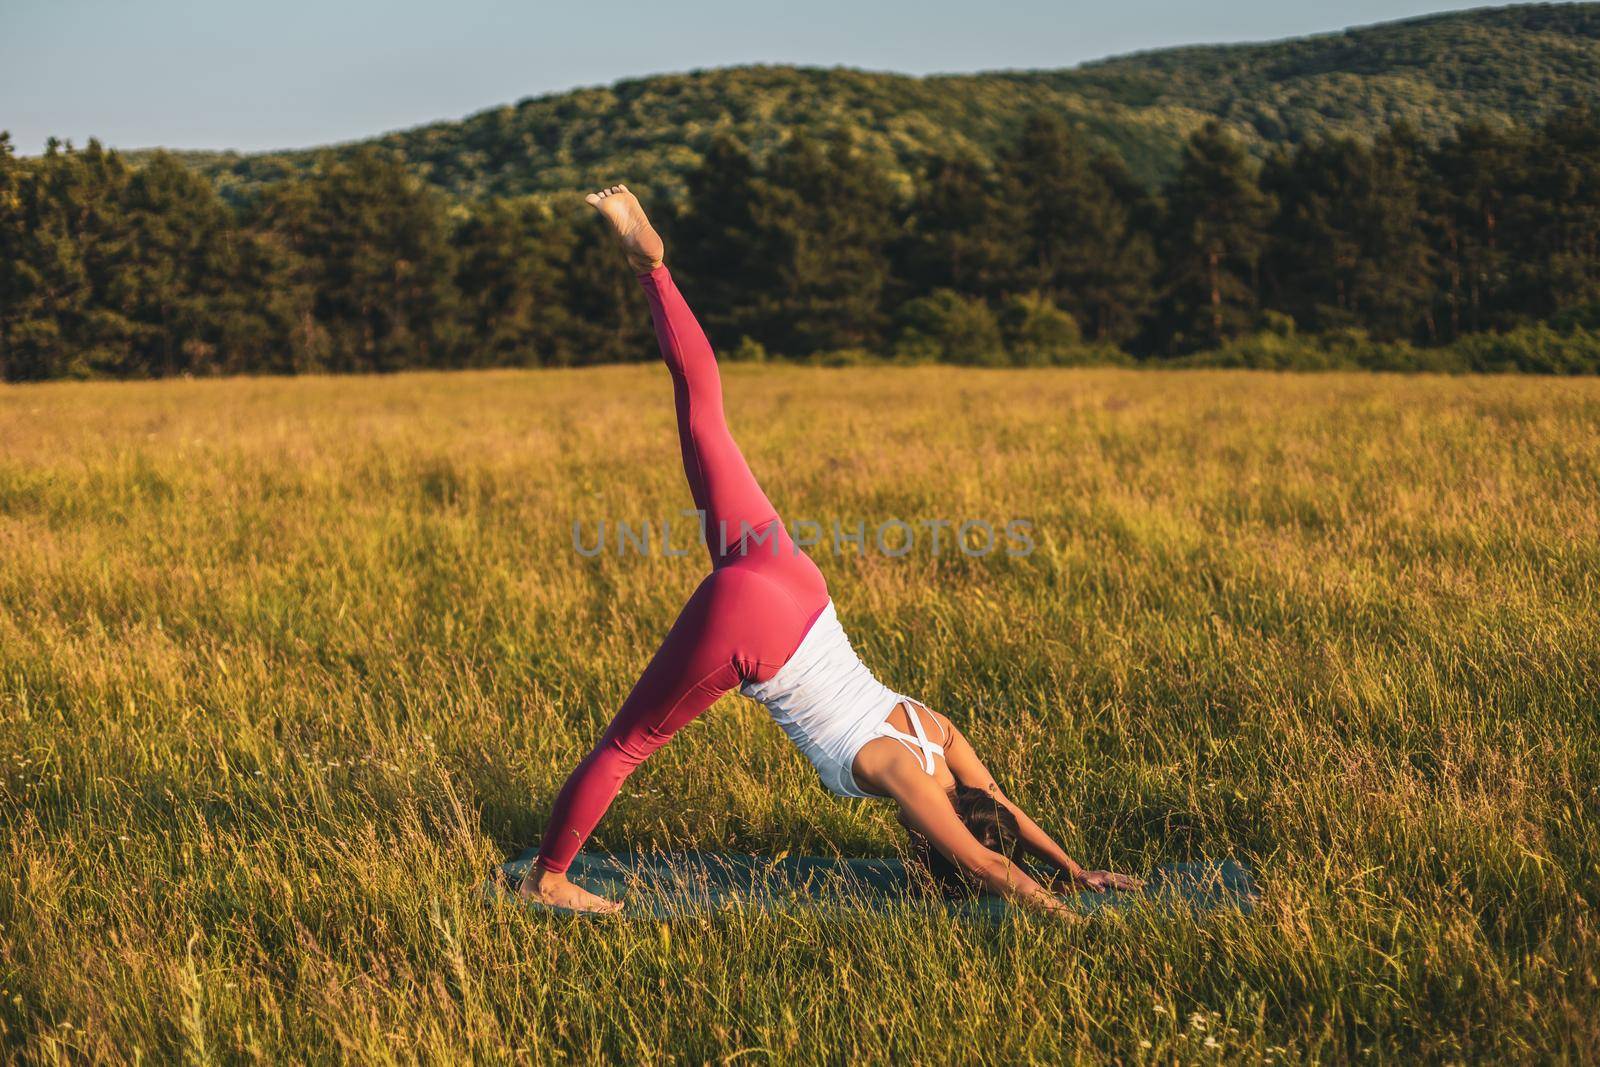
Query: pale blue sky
{"points": [[290, 73]]}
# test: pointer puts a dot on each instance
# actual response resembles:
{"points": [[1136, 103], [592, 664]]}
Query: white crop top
{"points": [[830, 705]]}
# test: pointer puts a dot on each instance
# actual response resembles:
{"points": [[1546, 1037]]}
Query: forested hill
{"points": [[1510, 64]]}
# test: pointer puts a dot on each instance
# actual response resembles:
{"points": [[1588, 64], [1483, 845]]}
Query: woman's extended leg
{"points": [[724, 489]]}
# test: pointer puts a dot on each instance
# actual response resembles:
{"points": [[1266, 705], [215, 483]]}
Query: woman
{"points": [[762, 621]]}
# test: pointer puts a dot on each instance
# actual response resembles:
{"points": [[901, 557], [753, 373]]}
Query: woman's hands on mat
{"points": [[1106, 881]]}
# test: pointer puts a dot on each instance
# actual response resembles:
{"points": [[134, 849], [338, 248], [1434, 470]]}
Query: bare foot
{"points": [[555, 891], [639, 240]]}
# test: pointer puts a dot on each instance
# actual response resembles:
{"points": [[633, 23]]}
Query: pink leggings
{"points": [[743, 622]]}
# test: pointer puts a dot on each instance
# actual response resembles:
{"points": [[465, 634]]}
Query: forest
{"points": [[1415, 195], [1478, 253]]}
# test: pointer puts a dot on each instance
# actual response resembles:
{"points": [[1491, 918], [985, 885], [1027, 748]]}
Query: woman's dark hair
{"points": [[989, 821]]}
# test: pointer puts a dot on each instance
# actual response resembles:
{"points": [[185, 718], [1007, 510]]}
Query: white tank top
{"points": [[830, 704]]}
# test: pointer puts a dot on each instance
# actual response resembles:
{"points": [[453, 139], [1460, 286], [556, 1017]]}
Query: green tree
{"points": [[1037, 332], [12, 237], [373, 242], [948, 327], [280, 277], [166, 279], [66, 229], [960, 234], [1066, 213], [609, 320], [1213, 235], [1474, 178], [1349, 246], [1557, 217], [832, 215], [728, 247], [512, 275]]}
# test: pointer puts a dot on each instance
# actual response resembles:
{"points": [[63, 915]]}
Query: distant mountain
{"points": [[1501, 65]]}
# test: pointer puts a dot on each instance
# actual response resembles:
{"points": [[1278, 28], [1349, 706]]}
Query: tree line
{"points": [[1478, 252]]}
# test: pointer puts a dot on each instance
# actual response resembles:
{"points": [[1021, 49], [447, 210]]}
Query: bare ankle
{"points": [[542, 877]]}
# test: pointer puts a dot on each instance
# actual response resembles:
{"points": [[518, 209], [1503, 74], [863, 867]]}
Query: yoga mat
{"points": [[667, 884]]}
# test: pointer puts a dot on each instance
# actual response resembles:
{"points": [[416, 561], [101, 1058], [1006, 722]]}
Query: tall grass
{"points": [[286, 666]]}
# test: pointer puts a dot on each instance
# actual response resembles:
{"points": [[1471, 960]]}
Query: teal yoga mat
{"points": [[666, 884]]}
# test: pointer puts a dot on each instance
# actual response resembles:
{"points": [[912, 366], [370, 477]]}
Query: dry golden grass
{"points": [[287, 665]]}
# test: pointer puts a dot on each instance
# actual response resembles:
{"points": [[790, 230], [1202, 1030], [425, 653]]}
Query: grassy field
{"points": [[287, 665]]}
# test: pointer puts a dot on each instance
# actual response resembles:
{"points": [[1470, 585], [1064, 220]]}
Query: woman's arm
{"points": [[925, 808], [970, 771]]}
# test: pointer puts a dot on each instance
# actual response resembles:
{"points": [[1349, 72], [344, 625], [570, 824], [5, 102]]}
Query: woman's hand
{"points": [[1101, 881]]}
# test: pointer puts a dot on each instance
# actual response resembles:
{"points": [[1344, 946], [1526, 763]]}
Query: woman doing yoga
{"points": [[762, 621]]}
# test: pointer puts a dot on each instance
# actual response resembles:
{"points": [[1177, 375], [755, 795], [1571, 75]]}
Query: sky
{"points": [[263, 74]]}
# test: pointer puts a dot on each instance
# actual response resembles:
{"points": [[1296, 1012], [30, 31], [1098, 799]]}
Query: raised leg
{"points": [[720, 479]]}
